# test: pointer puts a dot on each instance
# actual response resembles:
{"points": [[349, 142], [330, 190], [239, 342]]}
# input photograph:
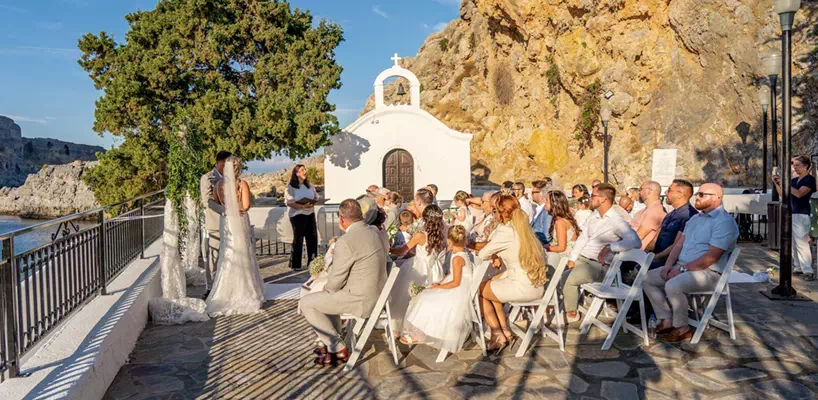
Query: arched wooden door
{"points": [[399, 173]]}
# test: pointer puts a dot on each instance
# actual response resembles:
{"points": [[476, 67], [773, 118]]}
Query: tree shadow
{"points": [[346, 150], [480, 174], [739, 164]]}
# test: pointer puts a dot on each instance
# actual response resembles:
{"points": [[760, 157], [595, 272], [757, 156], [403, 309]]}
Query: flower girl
{"points": [[464, 217], [439, 316]]}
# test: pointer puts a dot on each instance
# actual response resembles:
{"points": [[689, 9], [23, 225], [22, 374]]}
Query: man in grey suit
{"points": [[213, 210], [356, 277]]}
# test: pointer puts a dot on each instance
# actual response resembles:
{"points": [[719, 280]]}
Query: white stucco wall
{"points": [[355, 159]]}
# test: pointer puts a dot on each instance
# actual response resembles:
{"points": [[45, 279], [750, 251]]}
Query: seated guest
{"points": [[647, 221], [518, 190], [506, 188], [406, 220], [595, 183], [463, 217], [695, 264], [563, 228], [638, 203], [432, 188], [354, 283], [583, 210], [371, 191], [604, 232], [678, 196], [624, 208], [481, 230], [542, 218], [578, 191]]}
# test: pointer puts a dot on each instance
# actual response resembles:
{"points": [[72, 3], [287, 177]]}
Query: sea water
{"points": [[33, 239]]}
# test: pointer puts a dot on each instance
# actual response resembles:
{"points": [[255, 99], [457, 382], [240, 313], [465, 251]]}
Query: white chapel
{"points": [[400, 147]]}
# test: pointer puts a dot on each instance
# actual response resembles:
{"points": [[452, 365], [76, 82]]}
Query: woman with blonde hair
{"points": [[514, 245]]}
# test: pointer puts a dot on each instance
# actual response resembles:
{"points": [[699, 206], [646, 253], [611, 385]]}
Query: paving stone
{"points": [[478, 391], [592, 352], [554, 358], [572, 382], [735, 375], [748, 352], [698, 348], [524, 364], [527, 382], [784, 389], [469, 355], [810, 378], [549, 391], [619, 390], [645, 358], [476, 380], [685, 376], [404, 384], [605, 369], [486, 369], [667, 351], [160, 384], [657, 380], [428, 356], [776, 366], [707, 363], [814, 341], [628, 342]]}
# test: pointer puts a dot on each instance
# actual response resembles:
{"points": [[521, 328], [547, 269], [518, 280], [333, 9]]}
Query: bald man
{"points": [[697, 261], [647, 221]]}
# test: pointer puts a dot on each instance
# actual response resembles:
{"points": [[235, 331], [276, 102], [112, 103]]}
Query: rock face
{"points": [[21, 156], [261, 185], [684, 74], [55, 191]]}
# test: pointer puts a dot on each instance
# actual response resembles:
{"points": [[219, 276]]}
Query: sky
{"points": [[47, 93]]}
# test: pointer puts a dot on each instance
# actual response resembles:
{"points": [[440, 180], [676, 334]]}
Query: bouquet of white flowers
{"points": [[415, 289], [448, 217], [317, 266], [392, 231]]}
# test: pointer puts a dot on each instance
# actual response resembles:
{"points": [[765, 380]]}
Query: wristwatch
{"points": [[682, 269]]}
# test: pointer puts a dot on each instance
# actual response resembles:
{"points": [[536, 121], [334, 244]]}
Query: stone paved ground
{"points": [[267, 355]]}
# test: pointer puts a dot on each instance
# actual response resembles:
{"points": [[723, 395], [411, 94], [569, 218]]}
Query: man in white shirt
{"points": [[518, 189], [604, 232]]}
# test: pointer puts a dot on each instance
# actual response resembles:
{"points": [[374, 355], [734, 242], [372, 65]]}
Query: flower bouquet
{"points": [[393, 232], [317, 266], [448, 217], [415, 289]]}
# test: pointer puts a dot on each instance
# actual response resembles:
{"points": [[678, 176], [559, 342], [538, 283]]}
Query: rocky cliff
{"points": [[273, 183], [526, 77], [54, 191], [21, 156]]}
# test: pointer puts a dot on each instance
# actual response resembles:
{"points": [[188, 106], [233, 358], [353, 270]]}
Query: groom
{"points": [[355, 281], [213, 210]]}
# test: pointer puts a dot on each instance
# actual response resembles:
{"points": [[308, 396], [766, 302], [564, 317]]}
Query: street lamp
{"points": [[764, 99], [771, 62], [605, 115], [786, 10]]}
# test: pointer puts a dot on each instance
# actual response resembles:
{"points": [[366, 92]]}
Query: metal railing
{"points": [[751, 227], [42, 287]]}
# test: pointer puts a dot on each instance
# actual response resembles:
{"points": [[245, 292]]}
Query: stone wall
{"points": [[21, 156]]}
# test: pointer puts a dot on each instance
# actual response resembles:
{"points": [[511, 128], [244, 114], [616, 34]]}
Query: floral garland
{"points": [[186, 165]]}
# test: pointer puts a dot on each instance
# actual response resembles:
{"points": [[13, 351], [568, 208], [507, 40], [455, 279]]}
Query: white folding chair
{"points": [[356, 339], [623, 294], [476, 316], [722, 289], [537, 322]]}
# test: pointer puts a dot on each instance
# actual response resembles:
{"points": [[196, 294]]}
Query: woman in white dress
{"points": [[439, 316], [425, 268], [237, 287], [514, 245], [564, 228]]}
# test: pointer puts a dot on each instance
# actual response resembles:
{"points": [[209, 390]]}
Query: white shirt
{"points": [[607, 230], [528, 207], [293, 194], [537, 211]]}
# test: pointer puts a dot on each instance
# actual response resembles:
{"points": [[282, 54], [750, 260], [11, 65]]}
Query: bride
{"points": [[237, 287]]}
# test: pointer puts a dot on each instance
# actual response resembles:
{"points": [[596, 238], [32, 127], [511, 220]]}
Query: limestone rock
{"points": [[684, 73], [55, 191], [273, 184]]}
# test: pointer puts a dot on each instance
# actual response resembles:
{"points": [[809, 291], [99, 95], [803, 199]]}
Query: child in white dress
{"points": [[439, 316], [464, 217], [406, 220]]}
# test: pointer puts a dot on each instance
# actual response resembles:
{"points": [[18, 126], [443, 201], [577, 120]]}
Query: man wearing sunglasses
{"points": [[695, 264]]}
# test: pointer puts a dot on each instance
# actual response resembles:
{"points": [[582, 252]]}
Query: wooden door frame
{"points": [[383, 168]]}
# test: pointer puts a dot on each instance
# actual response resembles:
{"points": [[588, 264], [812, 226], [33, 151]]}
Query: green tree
{"points": [[252, 76]]}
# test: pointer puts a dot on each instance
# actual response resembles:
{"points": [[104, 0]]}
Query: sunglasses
{"points": [[702, 194]]}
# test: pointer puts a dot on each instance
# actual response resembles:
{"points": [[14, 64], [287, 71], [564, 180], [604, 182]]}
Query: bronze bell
{"points": [[401, 90]]}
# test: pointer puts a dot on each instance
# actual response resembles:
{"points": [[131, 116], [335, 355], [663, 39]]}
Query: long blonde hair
{"points": [[532, 256]]}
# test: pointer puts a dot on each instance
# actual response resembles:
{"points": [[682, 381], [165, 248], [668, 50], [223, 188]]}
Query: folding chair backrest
{"points": [[725, 276], [644, 265], [387, 288], [633, 255], [478, 273], [554, 282]]}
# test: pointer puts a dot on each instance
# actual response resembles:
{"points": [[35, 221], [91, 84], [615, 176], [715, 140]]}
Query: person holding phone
{"points": [[301, 198], [803, 186]]}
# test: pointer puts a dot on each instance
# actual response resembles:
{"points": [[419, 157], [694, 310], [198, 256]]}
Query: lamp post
{"points": [[764, 99], [786, 10], [605, 115], [772, 67]]}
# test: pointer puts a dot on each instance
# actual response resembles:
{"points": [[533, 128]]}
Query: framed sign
{"points": [[664, 166]]}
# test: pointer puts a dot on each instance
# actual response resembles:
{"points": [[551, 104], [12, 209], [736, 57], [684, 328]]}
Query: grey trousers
{"points": [[675, 292], [584, 271], [323, 311], [213, 240]]}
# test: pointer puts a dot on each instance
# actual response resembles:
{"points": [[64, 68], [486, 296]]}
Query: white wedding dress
{"points": [[441, 317], [422, 269], [237, 287]]}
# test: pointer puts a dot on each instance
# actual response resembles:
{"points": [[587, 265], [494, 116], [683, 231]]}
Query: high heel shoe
{"points": [[511, 338]]}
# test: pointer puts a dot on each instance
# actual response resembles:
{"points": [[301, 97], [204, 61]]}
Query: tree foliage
{"points": [[586, 129], [252, 75]]}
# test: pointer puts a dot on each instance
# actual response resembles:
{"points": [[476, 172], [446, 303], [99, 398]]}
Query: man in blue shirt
{"points": [[696, 263], [542, 218], [678, 196]]}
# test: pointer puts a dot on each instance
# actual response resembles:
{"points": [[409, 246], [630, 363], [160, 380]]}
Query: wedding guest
{"points": [[482, 230], [604, 232], [463, 216], [624, 207], [391, 204], [355, 281], [578, 191], [518, 190], [595, 183], [423, 199], [302, 215], [406, 221], [678, 196], [371, 190], [439, 316], [506, 188], [542, 217], [548, 181], [697, 261], [563, 228], [647, 222], [803, 186], [583, 210], [638, 204], [432, 188], [514, 245]]}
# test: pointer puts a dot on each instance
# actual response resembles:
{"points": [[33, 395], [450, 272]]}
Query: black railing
{"points": [[42, 287], [751, 227]]}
